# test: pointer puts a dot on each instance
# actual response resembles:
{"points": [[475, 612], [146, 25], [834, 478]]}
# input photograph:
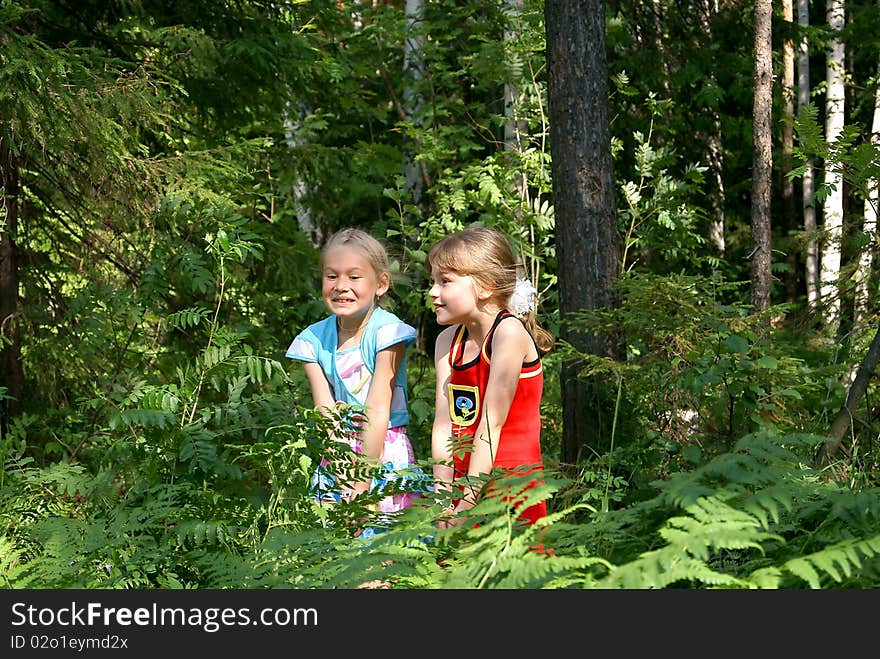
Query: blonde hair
{"points": [[367, 245], [485, 255]]}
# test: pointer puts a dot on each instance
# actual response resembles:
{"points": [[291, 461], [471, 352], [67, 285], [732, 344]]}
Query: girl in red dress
{"points": [[489, 372]]}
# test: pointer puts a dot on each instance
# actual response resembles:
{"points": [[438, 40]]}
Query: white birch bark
{"points": [[789, 220], [714, 151], [811, 265], [413, 72], [869, 226], [513, 126], [832, 210], [300, 187]]}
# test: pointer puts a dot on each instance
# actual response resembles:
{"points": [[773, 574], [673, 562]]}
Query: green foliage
{"points": [[178, 169], [699, 367], [851, 154], [753, 518], [660, 221]]}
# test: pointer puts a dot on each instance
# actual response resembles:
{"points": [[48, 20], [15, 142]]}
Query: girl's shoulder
{"points": [[511, 339], [313, 339], [387, 329], [318, 328], [382, 316], [510, 328]]}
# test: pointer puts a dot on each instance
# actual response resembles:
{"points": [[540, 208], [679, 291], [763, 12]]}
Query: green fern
{"points": [[842, 562], [16, 569]]}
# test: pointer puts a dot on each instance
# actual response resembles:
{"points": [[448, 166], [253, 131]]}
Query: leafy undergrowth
{"points": [[756, 517]]}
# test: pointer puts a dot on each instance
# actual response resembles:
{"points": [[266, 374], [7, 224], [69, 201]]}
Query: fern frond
{"points": [[665, 567], [714, 525], [16, 570], [201, 532], [769, 504], [839, 561]]}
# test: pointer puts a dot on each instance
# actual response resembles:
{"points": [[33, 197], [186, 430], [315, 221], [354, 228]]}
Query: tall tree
{"points": [[789, 221], [413, 70], [761, 273], [300, 188], [869, 224], [707, 10], [832, 208], [11, 369], [808, 187], [587, 240], [514, 126]]}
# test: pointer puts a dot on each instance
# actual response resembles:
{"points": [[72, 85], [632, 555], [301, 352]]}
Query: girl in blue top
{"points": [[357, 356]]}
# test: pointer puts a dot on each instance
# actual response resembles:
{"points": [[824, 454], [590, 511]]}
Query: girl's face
{"points": [[455, 297], [349, 284]]}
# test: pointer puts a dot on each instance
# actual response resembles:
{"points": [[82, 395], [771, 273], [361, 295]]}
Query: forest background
{"points": [[170, 169]]}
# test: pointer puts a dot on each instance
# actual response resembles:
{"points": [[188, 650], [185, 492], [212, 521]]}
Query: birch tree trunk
{"points": [[413, 72], [761, 273], [811, 260], [832, 210], [300, 188], [714, 151], [513, 126], [869, 227], [789, 221]]}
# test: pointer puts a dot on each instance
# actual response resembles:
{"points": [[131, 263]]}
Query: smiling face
{"points": [[473, 273], [455, 297], [350, 284]]}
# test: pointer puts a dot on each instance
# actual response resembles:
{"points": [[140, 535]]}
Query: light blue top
{"points": [[350, 371]]}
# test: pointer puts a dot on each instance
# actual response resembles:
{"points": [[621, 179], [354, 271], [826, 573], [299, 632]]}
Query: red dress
{"points": [[519, 447]]}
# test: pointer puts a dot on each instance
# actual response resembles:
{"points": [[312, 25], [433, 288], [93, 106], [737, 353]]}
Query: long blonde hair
{"points": [[486, 255], [367, 245]]}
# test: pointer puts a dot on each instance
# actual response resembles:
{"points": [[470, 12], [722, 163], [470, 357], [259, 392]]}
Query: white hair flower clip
{"points": [[524, 298]]}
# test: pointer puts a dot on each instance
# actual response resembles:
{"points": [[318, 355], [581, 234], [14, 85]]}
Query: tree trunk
{"points": [[11, 370], [300, 189], [761, 273], [843, 421], [869, 227], [587, 240], [789, 221], [514, 126], [714, 150], [832, 222], [811, 259], [413, 71], [656, 10]]}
